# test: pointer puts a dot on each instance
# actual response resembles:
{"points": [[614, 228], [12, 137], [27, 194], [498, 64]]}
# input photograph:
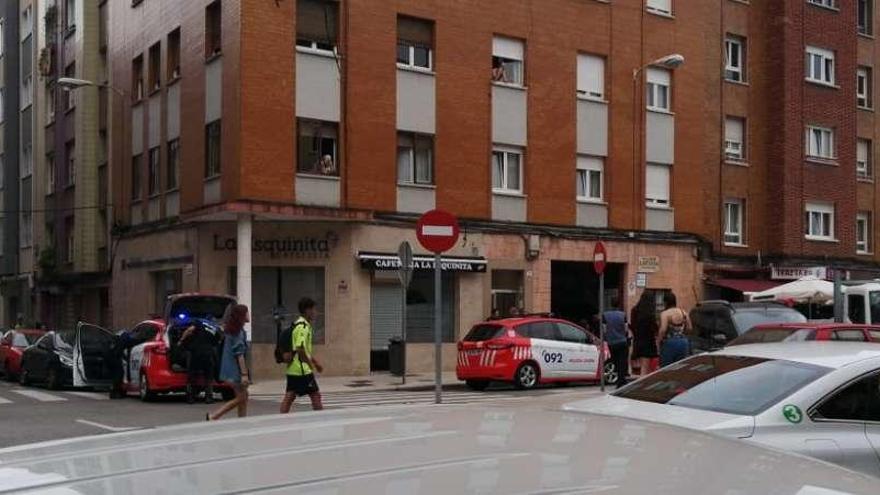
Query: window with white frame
{"points": [[820, 142], [415, 158], [734, 138], [317, 148], [819, 221], [316, 24], [657, 87], [415, 39], [864, 158], [735, 58], [508, 60], [820, 65], [866, 17], [734, 216], [591, 76], [27, 159], [863, 233], [831, 4], [659, 6], [657, 181], [590, 173], [70, 14], [864, 93], [507, 170]]}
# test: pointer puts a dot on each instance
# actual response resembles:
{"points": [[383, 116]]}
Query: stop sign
{"points": [[599, 255], [437, 231]]}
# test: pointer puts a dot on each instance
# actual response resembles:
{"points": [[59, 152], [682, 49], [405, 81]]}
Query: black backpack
{"points": [[284, 345]]}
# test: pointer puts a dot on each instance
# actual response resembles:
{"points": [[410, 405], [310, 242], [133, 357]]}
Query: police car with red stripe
{"points": [[528, 351]]}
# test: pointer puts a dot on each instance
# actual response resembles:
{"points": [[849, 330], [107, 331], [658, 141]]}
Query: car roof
{"points": [[828, 354], [814, 324]]}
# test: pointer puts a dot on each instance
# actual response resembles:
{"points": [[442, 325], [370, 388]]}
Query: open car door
{"points": [[93, 356]]}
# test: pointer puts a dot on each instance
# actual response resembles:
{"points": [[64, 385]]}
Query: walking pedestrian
{"points": [[233, 367], [674, 322], [644, 324], [200, 344], [301, 370], [617, 337]]}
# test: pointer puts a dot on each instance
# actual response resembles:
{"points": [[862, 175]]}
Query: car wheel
{"points": [[526, 376], [478, 385], [227, 394], [23, 379], [610, 373], [52, 382], [144, 392]]}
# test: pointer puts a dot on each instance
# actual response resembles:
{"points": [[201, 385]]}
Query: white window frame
{"points": [[864, 96], [819, 215], [663, 7], [511, 52], [411, 58], [406, 146], [863, 233], [864, 158], [869, 20], [734, 226], [734, 44], [591, 76], [734, 146], [587, 168], [660, 201], [506, 152], [824, 74], [658, 88], [820, 143], [828, 4]]}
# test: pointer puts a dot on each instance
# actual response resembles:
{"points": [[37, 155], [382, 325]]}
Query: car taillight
{"points": [[497, 346]]}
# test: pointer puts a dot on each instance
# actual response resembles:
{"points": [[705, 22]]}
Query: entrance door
{"points": [[385, 319], [574, 290]]}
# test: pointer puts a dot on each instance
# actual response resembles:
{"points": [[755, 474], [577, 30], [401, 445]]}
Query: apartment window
{"points": [[213, 29], [415, 158], [733, 221], [820, 143], [659, 6], [69, 94], [658, 83], [174, 55], [26, 239], [831, 4], [153, 176], [70, 240], [137, 78], [70, 14], [2, 173], [27, 159], [50, 174], [507, 170], [155, 72], [136, 176], [50, 104], [864, 87], [657, 180], [316, 24], [318, 150], [414, 43], [2, 34], [26, 21], [735, 63], [819, 221], [734, 138], [590, 171], [863, 233], [591, 76], [2, 104], [173, 177], [866, 17], [213, 148], [27, 76], [864, 159], [820, 65], [508, 57], [70, 154]]}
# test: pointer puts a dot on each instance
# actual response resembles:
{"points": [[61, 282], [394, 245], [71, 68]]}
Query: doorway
{"points": [[574, 290]]}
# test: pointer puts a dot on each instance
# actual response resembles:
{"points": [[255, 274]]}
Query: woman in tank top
{"points": [[674, 323]]}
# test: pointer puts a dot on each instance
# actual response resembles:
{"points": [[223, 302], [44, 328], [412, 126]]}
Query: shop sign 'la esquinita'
{"points": [[284, 247]]}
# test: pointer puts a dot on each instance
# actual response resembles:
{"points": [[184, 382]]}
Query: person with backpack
{"points": [[303, 365]]}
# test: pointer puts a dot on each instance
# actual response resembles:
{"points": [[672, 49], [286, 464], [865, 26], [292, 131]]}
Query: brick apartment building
{"points": [[282, 149]]}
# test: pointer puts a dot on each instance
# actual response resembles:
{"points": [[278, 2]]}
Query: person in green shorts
{"points": [[301, 370]]}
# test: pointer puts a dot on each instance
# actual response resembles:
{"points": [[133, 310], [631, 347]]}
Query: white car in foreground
{"points": [[820, 399]]}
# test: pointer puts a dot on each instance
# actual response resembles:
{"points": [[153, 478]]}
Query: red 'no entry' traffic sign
{"points": [[437, 231], [599, 257]]}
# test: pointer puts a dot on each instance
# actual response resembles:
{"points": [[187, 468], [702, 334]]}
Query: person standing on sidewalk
{"points": [[301, 370], [644, 324], [672, 339], [233, 367], [617, 337]]}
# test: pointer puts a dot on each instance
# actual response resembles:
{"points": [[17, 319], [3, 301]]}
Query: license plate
{"points": [[474, 352]]}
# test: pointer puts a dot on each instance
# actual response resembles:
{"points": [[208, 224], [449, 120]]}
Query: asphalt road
{"points": [[29, 415]]}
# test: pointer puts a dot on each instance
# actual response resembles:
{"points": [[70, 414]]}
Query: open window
{"points": [[93, 351]]}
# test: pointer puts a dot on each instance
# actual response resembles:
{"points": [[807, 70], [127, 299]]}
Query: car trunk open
{"points": [[181, 310]]}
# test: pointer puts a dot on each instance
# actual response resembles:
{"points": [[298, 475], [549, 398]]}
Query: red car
{"points": [[155, 363], [529, 351], [787, 332], [12, 346]]}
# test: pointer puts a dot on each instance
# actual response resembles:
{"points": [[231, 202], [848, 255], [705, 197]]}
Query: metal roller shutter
{"points": [[385, 308]]}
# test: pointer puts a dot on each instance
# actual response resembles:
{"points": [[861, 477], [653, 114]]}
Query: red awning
{"points": [[745, 285]]}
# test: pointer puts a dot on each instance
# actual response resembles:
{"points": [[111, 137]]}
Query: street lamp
{"points": [[670, 62]]}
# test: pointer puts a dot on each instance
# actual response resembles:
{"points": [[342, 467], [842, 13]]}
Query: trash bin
{"points": [[396, 356]]}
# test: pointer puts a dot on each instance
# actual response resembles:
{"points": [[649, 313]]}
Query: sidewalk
{"points": [[365, 383]]}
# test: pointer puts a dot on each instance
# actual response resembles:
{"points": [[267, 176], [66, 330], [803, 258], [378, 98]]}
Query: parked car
{"points": [[797, 332], [49, 361], [528, 351], [819, 399], [12, 346], [716, 323]]}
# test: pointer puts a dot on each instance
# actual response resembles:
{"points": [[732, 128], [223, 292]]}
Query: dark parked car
{"points": [[716, 323], [49, 361]]}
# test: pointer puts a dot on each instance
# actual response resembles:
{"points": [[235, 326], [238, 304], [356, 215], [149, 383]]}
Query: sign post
{"points": [[599, 262], [404, 273], [438, 231]]}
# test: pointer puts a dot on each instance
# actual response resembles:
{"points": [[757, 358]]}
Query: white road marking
{"points": [[89, 395], [37, 395], [114, 429]]}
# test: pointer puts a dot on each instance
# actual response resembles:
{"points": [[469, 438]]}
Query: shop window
{"points": [[420, 307], [317, 148], [507, 292], [165, 283], [316, 22]]}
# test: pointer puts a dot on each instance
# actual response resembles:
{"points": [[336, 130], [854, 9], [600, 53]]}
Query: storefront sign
{"points": [[798, 272], [284, 247], [138, 263], [386, 262], [649, 264]]}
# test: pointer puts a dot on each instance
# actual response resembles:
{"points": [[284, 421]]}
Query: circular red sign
{"points": [[599, 258], [437, 231]]}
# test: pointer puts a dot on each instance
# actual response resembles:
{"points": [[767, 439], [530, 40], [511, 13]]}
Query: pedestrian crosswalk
{"points": [[11, 396]]}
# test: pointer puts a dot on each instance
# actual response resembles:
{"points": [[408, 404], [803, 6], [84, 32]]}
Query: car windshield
{"points": [[778, 334], [727, 384], [484, 332], [24, 339], [745, 319], [64, 340]]}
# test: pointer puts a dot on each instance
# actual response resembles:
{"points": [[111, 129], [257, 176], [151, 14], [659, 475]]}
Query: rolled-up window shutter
{"points": [[316, 20], [416, 31]]}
